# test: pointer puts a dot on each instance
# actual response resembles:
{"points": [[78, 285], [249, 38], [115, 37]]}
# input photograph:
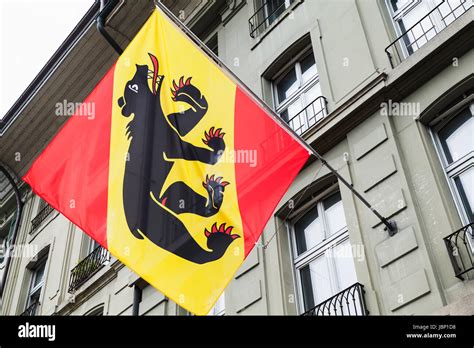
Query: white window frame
{"points": [[451, 171], [326, 246], [295, 64]]}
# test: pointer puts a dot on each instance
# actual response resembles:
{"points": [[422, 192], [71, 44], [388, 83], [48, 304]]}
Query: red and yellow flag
{"points": [[178, 170]]}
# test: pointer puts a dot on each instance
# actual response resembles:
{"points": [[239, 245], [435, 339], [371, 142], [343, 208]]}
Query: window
{"points": [[297, 93], [274, 8], [322, 252], [37, 281], [219, 307], [44, 210], [456, 144], [266, 13], [416, 22]]}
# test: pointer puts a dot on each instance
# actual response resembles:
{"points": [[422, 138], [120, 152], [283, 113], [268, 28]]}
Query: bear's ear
{"points": [[142, 69]]}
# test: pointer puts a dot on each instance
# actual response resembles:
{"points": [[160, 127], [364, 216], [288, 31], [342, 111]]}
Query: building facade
{"points": [[382, 88]]}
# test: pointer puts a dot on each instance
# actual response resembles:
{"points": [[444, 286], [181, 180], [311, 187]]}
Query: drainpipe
{"points": [[19, 209], [106, 8]]}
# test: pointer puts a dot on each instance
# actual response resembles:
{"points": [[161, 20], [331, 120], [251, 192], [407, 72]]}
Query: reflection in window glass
{"points": [[343, 259], [308, 231], [287, 86], [335, 219]]}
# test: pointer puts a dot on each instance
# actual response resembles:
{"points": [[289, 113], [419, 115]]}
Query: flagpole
{"points": [[390, 226]]}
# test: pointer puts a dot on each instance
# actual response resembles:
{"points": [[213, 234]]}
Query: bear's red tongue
{"points": [[156, 67]]}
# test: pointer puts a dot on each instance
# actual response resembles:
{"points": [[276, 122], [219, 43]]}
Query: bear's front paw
{"points": [[215, 140]]}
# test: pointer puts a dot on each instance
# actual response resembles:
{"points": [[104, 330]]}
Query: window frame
{"points": [[322, 249], [453, 170], [294, 64], [34, 290], [398, 15]]}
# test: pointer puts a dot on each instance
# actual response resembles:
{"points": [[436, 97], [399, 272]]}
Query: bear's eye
{"points": [[133, 88]]}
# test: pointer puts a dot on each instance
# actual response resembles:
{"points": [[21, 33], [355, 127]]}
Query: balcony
{"points": [[31, 310], [41, 216], [425, 29], [347, 302], [309, 116], [88, 267], [460, 245], [266, 14]]}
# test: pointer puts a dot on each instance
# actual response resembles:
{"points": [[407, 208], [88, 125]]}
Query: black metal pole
{"points": [[101, 18], [19, 210], [390, 226]]}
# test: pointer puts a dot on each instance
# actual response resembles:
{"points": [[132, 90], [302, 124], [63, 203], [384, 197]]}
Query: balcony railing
{"points": [[309, 116], [41, 216], [350, 301], [31, 310], [266, 15], [88, 267], [425, 29], [460, 245]]}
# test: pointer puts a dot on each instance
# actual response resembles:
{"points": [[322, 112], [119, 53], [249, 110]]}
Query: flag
{"points": [[177, 171]]}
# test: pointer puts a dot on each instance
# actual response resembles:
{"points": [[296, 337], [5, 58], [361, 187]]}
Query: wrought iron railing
{"points": [[309, 116], [460, 245], [31, 310], [350, 301], [425, 29], [88, 267], [266, 14], [41, 216]]}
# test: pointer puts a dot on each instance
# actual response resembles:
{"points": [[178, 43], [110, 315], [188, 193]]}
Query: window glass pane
{"points": [[334, 211], [457, 137], [307, 288], [344, 262], [316, 282], [415, 37], [308, 231], [275, 8], [416, 14], [465, 185], [287, 86], [294, 108], [38, 275], [308, 68], [312, 94]]}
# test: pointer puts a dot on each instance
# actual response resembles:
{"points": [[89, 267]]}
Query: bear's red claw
{"points": [[221, 229], [213, 134]]}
